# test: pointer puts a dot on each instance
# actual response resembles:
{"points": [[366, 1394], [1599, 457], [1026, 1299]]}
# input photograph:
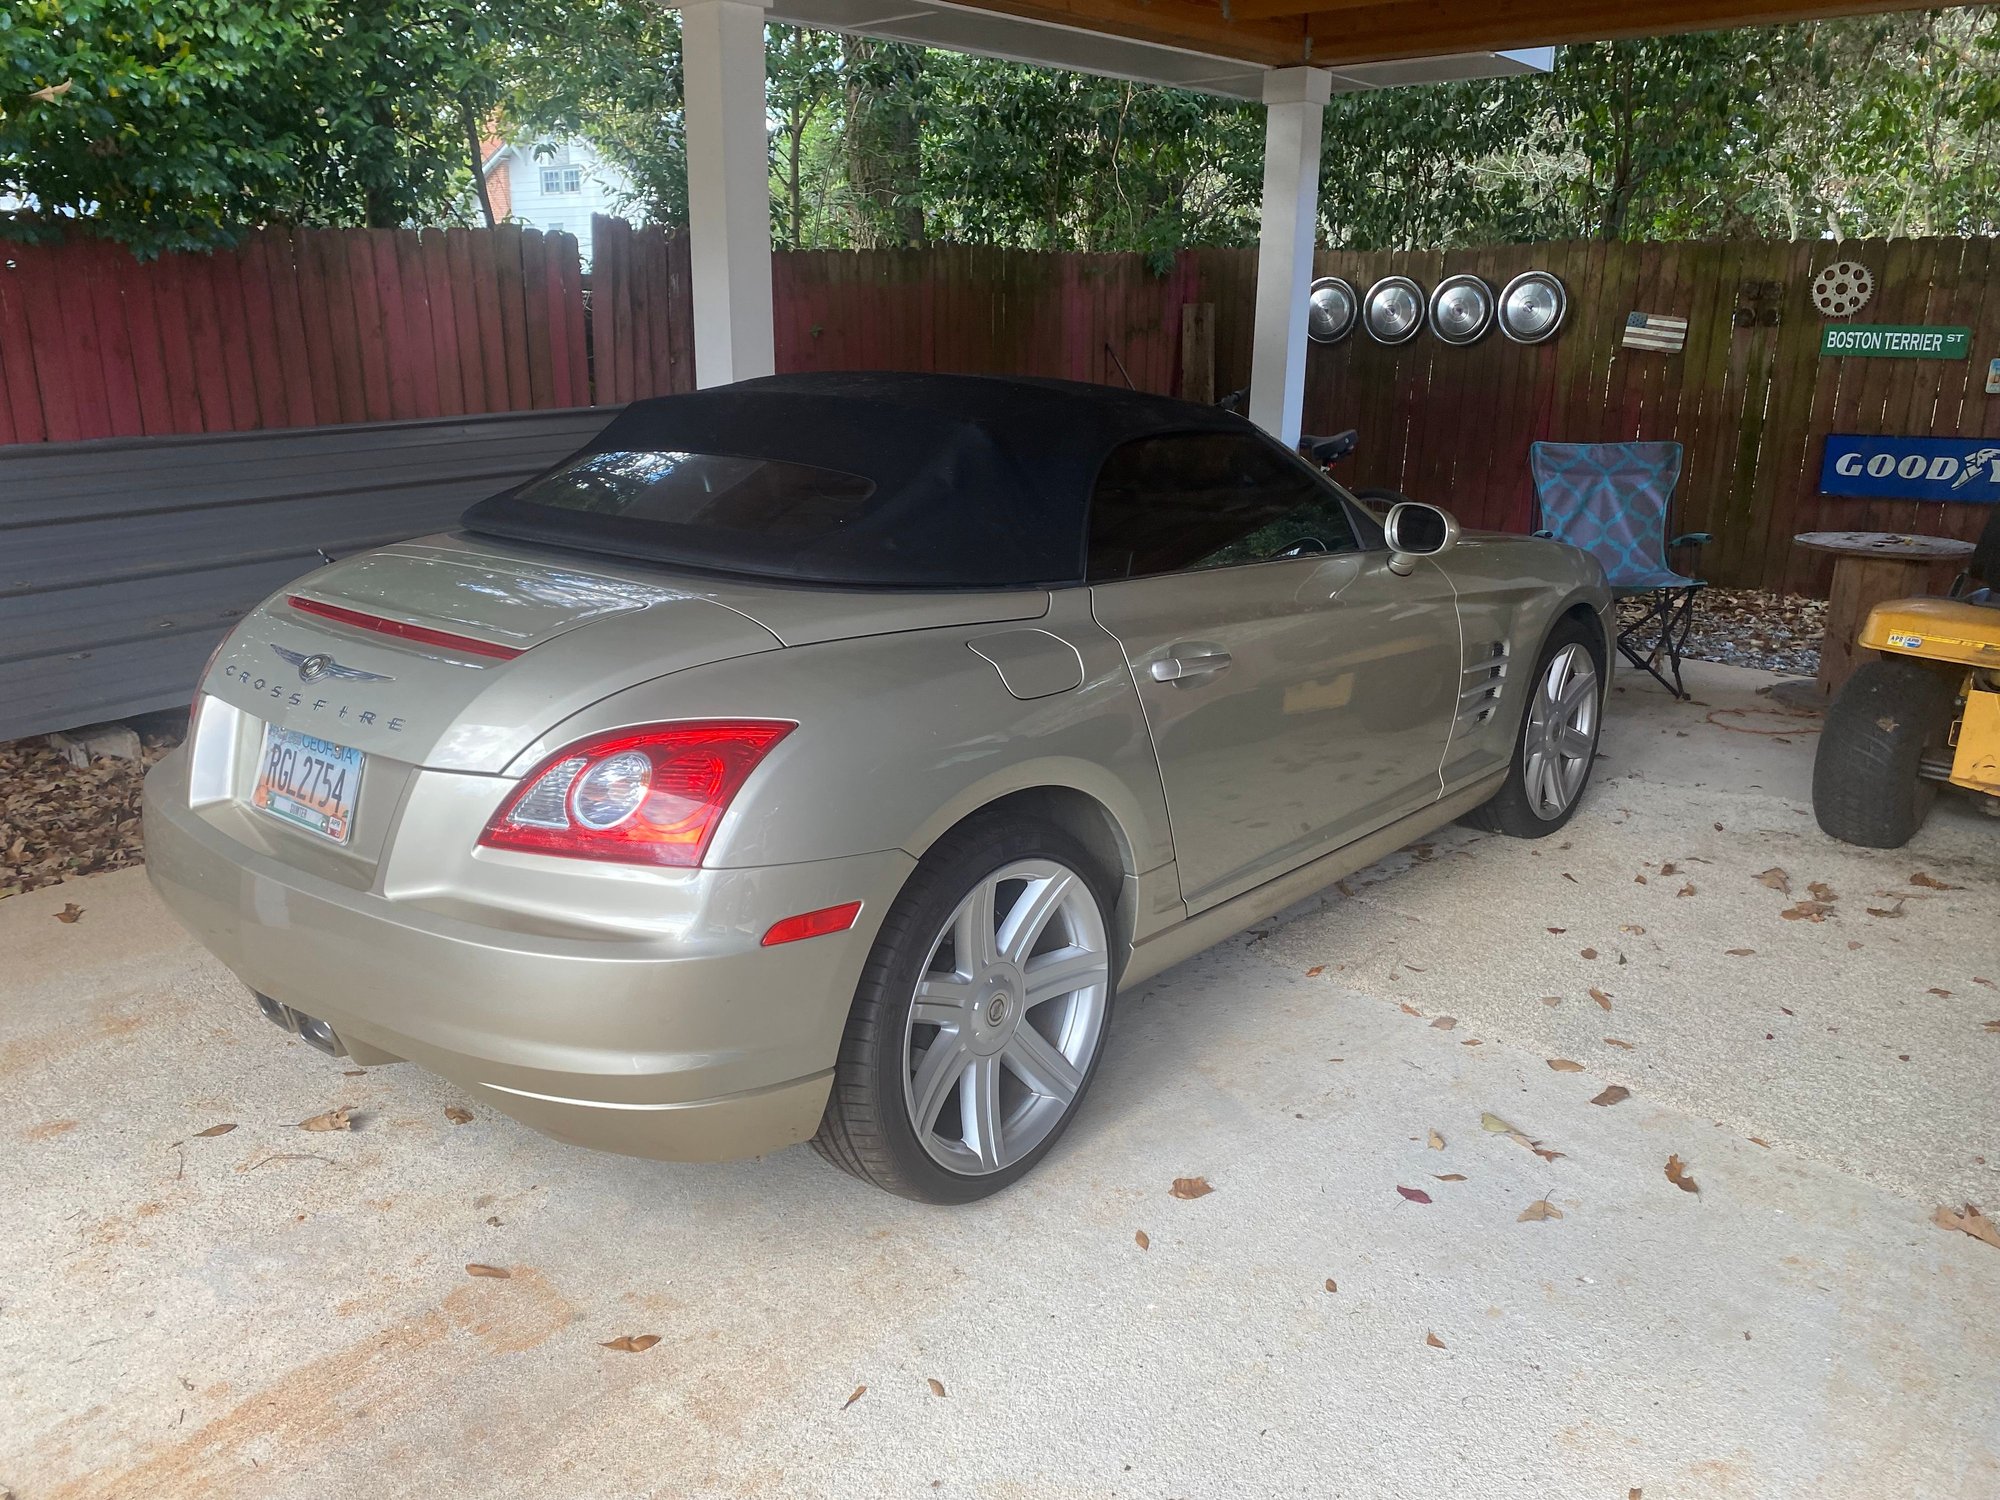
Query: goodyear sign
{"points": [[1903, 468], [1894, 341]]}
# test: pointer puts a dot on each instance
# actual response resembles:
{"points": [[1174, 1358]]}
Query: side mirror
{"points": [[1416, 530]]}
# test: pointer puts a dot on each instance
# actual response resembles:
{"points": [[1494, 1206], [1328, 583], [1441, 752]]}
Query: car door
{"points": [[1299, 693]]}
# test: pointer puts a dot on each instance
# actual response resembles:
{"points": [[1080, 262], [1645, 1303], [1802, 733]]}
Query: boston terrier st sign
{"points": [[1902, 468]]}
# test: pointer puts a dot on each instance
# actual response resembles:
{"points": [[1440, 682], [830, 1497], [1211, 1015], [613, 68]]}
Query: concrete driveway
{"points": [[268, 1312]]}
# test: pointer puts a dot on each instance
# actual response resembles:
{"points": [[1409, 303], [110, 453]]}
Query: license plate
{"points": [[310, 783]]}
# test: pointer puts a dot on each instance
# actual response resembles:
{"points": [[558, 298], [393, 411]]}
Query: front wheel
{"points": [[1868, 782], [1558, 740], [980, 1017]]}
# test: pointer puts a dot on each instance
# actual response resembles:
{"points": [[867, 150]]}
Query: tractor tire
{"points": [[1868, 788]]}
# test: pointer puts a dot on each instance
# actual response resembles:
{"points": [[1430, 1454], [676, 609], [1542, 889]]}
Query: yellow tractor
{"points": [[1924, 713]]}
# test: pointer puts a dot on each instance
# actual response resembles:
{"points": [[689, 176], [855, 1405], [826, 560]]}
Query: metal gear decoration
{"points": [[1843, 289]]}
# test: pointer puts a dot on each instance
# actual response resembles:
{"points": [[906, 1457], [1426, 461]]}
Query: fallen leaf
{"points": [[1190, 1187], [1564, 1065], [628, 1343], [1558, 931], [859, 1392], [1620, 1043], [1537, 1211], [1638, 880], [458, 1114], [1941, 994], [353, 1072], [1142, 1239], [1615, 1093], [1987, 982], [1968, 1221], [1932, 883], [1449, 1176], [1758, 1140], [1887, 911], [1552, 999], [1542, 1151], [1806, 911], [1819, 890], [333, 1119], [1497, 1125], [1632, 927], [1603, 1000], [1408, 1009], [70, 912], [1686, 890], [1315, 971], [1444, 1023], [1589, 953], [1777, 880], [1670, 868], [202, 1135], [1330, 1286], [1990, 1026], [1677, 1174], [475, 1269], [1433, 1340], [1436, 1141], [1415, 1195], [936, 1385], [1739, 952]]}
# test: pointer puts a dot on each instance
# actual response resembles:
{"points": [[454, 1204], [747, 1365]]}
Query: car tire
{"points": [[1867, 785], [886, 1058], [1524, 808]]}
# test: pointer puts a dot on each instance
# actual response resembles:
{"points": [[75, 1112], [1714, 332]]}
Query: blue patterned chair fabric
{"points": [[1611, 500]]}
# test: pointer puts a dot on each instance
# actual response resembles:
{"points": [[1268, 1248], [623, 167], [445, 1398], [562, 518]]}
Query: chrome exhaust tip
{"points": [[309, 1029]]}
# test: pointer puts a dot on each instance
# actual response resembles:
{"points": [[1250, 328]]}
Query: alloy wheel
{"points": [[1561, 734], [1007, 1017]]}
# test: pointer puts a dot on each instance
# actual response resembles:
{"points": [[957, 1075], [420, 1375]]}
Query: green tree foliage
{"points": [[171, 124], [178, 123]]}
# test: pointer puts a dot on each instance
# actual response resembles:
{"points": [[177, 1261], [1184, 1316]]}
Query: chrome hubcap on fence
{"points": [[1007, 1017], [1562, 732]]}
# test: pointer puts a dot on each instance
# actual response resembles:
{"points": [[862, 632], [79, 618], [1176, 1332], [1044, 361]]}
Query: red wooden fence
{"points": [[290, 328], [312, 327]]}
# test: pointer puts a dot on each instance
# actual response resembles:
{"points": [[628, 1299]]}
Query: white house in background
{"points": [[554, 186]]}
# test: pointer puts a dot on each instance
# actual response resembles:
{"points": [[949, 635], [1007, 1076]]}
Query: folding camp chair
{"points": [[1610, 499]]}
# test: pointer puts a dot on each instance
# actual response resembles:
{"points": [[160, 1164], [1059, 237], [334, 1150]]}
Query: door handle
{"points": [[1189, 663]]}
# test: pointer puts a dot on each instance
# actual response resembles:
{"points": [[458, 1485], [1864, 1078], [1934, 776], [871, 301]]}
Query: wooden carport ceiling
{"points": [[1330, 33]]}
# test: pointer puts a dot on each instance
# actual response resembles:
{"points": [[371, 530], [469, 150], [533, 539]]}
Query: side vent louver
{"points": [[1482, 681]]}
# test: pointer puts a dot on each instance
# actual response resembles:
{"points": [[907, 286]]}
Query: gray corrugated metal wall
{"points": [[122, 562]]}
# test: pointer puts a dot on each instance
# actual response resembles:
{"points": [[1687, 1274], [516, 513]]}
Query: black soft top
{"points": [[979, 481]]}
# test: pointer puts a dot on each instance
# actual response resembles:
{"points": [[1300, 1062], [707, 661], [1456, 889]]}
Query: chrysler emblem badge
{"points": [[312, 668]]}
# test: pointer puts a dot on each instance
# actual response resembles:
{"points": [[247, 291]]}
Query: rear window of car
{"points": [[669, 492]]}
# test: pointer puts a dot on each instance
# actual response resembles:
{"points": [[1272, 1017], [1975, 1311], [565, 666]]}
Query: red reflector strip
{"points": [[423, 635], [812, 924]]}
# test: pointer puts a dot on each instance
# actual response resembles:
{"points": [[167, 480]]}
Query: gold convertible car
{"points": [[814, 758]]}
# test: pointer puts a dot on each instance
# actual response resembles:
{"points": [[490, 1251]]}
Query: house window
{"points": [[562, 180]]}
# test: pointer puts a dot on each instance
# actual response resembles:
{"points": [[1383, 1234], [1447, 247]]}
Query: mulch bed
{"points": [[1753, 628], [58, 822]]}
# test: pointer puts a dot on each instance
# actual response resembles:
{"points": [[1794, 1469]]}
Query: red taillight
{"points": [[639, 796], [812, 924], [422, 635]]}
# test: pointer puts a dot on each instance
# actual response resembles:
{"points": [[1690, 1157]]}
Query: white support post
{"points": [[1295, 109], [729, 189]]}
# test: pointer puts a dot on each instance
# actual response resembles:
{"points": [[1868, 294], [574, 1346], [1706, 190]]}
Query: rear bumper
{"points": [[694, 1046]]}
